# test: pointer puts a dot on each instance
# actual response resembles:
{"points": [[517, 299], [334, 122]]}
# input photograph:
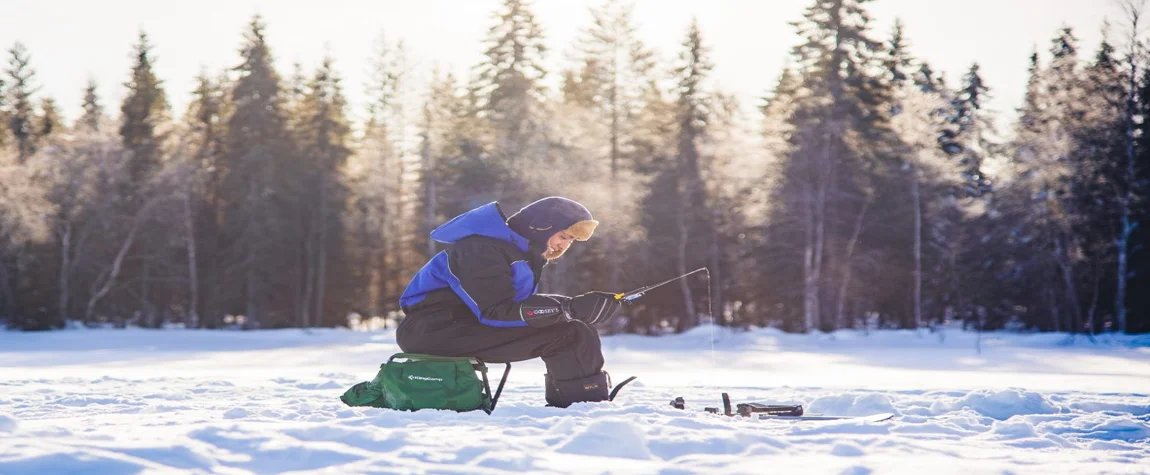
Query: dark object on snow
{"points": [[410, 382], [820, 417], [747, 409], [678, 403], [620, 386], [594, 388], [784, 412]]}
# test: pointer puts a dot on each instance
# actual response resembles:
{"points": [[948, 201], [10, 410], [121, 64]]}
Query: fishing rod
{"points": [[627, 297]]}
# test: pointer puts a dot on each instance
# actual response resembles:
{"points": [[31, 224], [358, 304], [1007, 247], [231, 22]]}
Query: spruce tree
{"points": [[144, 110], [1132, 205], [205, 135], [972, 126], [693, 105], [839, 121], [1030, 110], [383, 150], [3, 112], [1099, 189], [511, 86], [254, 189], [323, 135], [926, 79], [1045, 205], [205, 114], [614, 71], [93, 111], [20, 113], [898, 62], [49, 120], [1138, 310]]}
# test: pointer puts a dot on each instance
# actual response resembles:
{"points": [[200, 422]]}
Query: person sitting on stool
{"points": [[479, 298]]}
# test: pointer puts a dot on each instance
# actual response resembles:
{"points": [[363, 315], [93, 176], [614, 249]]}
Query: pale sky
{"points": [[750, 40]]}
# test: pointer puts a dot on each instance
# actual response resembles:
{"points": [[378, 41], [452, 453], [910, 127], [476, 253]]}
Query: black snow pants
{"points": [[571, 350]]}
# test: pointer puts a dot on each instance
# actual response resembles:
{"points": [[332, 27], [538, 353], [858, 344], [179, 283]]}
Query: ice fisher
{"points": [[479, 298]]}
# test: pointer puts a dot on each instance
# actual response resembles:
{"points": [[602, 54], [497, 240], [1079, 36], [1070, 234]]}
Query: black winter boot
{"points": [[594, 388]]}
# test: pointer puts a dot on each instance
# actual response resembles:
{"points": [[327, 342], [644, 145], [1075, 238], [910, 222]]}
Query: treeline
{"points": [[867, 191]]}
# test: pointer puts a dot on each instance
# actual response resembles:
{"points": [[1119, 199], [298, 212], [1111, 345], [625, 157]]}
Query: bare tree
{"points": [[917, 124], [193, 272], [1132, 9], [107, 280], [81, 176]]}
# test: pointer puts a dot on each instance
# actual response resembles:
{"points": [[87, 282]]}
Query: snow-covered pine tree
{"points": [[48, 121], [322, 135], [142, 114], [838, 122], [93, 113], [257, 139], [19, 110], [613, 71], [513, 94]]}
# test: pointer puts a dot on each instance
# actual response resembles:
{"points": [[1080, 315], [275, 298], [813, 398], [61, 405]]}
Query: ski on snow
{"points": [[819, 417], [779, 412]]}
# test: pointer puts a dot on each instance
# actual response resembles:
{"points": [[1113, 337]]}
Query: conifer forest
{"points": [[864, 191]]}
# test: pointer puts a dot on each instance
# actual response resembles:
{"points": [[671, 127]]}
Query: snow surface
{"points": [[179, 401]]}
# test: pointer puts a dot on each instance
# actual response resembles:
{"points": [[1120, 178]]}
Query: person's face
{"points": [[558, 244]]}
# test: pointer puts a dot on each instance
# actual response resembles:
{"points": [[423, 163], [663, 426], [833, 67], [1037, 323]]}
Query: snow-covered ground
{"points": [[140, 401]]}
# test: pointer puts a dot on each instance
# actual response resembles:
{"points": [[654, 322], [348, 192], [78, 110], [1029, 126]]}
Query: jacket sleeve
{"points": [[485, 284]]}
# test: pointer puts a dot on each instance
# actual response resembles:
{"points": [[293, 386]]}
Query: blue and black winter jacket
{"points": [[489, 269]]}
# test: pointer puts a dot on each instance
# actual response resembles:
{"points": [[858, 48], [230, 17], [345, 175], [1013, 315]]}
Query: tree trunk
{"points": [[252, 259], [1068, 283], [193, 270], [117, 262], [1123, 252], [251, 310], [397, 232], [688, 300], [430, 206], [402, 236], [1093, 304], [820, 224], [840, 317], [916, 198], [381, 250], [689, 189], [7, 296], [612, 239], [65, 270], [1054, 310], [715, 297], [149, 320], [810, 272], [309, 260], [1133, 11], [321, 268]]}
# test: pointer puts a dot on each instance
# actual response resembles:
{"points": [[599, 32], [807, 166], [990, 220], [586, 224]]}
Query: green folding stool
{"points": [[412, 381]]}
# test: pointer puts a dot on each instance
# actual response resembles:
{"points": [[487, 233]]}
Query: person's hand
{"points": [[593, 307]]}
